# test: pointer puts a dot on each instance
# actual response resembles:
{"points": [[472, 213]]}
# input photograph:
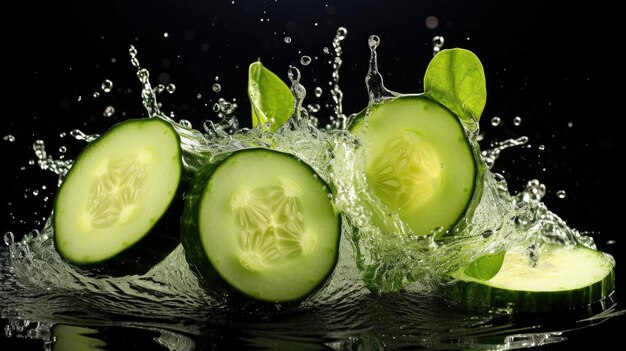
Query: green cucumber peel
{"points": [[270, 97], [485, 267], [455, 78]]}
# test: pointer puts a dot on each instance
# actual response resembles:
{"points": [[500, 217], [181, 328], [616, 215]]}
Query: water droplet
{"points": [[106, 86], [216, 87], [560, 194], [517, 120], [31, 162], [9, 239], [495, 121], [171, 88], [541, 147], [326, 50], [199, 96], [287, 40], [63, 149], [318, 92], [108, 111], [166, 35], [160, 88], [438, 41], [35, 192], [608, 242], [62, 135], [185, 123], [342, 32], [570, 124], [216, 107], [79, 98], [10, 138], [96, 94], [305, 60], [373, 41]]}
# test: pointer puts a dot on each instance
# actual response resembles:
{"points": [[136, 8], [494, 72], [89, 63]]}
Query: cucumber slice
{"points": [[562, 278], [115, 193], [260, 222], [420, 162]]}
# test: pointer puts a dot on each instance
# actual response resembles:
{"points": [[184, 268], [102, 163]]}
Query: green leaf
{"points": [[269, 96], [456, 79], [485, 267]]}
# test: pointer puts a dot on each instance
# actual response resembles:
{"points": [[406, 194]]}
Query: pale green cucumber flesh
{"points": [[420, 162], [562, 278], [261, 223], [119, 187]]}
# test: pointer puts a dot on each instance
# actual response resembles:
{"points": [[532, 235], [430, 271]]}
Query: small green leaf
{"points": [[456, 79], [269, 96], [485, 267]]}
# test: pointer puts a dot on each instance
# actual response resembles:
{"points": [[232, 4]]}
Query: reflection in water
{"points": [[358, 322]]}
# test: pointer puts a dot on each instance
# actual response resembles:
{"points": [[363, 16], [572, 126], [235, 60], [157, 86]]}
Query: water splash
{"points": [[46, 162], [374, 80], [339, 119], [491, 155], [438, 42]]}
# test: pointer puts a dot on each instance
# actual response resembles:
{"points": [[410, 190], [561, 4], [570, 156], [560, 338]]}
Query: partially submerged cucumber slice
{"points": [[260, 222], [562, 278], [420, 162], [115, 193]]}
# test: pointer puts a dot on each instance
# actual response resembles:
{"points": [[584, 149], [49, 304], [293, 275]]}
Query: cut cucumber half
{"points": [[119, 187], [562, 278], [260, 222], [420, 162]]}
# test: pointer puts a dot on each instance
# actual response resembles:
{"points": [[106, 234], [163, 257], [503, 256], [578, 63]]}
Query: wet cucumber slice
{"points": [[261, 223], [420, 162], [119, 187], [562, 278]]}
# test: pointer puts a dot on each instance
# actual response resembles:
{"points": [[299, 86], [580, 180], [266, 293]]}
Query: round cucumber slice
{"points": [[115, 193], [420, 162], [562, 278], [260, 222]]}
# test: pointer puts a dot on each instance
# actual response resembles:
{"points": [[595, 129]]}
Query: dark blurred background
{"points": [[555, 66]]}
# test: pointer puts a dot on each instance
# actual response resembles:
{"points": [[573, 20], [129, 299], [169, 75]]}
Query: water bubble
{"points": [[96, 94], [560, 194], [373, 41], [106, 86], [9, 239], [495, 121], [342, 32], [287, 40], [10, 138], [305, 60], [216, 87], [171, 88], [108, 111], [517, 120], [63, 149], [216, 107], [318, 91], [487, 233]]}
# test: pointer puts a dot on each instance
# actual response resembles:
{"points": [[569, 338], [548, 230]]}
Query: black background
{"points": [[550, 64]]}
